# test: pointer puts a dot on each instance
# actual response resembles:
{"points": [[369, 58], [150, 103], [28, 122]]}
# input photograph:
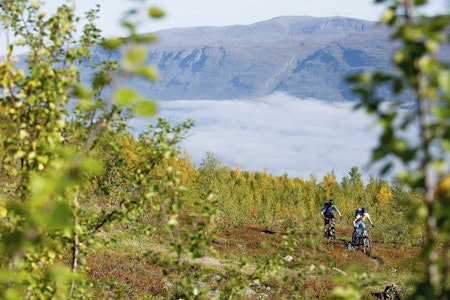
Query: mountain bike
{"points": [[330, 229], [362, 242]]}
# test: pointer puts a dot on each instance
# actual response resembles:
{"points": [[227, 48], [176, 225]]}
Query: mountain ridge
{"points": [[299, 55], [303, 56]]}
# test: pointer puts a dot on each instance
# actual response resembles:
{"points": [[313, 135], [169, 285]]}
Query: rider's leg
{"points": [[356, 232], [358, 227], [363, 227], [327, 221]]}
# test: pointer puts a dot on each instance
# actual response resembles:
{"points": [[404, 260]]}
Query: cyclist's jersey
{"points": [[328, 210], [361, 217]]}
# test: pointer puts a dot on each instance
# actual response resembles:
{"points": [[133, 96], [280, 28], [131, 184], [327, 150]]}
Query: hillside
{"points": [[301, 56], [313, 266]]}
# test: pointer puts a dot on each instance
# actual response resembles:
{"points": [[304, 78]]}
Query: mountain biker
{"points": [[327, 212], [361, 214]]}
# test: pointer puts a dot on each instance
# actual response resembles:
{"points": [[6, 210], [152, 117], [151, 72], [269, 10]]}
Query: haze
{"points": [[279, 134]]}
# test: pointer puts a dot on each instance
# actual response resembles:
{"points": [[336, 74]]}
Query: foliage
{"points": [[421, 73], [70, 170]]}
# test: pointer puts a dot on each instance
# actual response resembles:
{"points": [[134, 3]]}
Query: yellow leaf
{"points": [[3, 212]]}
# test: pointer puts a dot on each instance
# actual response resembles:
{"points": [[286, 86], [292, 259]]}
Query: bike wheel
{"points": [[332, 232], [367, 248], [329, 232]]}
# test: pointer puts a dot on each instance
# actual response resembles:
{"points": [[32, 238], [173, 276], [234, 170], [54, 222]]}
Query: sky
{"points": [[187, 13]]}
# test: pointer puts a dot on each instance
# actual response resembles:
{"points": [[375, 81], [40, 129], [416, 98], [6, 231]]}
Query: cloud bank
{"points": [[279, 134]]}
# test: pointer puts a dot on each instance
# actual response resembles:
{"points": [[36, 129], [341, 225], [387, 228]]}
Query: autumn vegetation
{"points": [[90, 211]]}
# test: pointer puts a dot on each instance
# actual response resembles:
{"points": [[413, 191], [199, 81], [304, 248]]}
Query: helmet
{"points": [[331, 202], [364, 210]]}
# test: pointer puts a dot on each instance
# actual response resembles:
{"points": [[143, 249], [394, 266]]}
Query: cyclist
{"points": [[327, 213], [361, 214]]}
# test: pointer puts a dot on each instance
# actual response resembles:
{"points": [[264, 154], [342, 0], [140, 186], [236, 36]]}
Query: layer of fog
{"points": [[277, 134]]}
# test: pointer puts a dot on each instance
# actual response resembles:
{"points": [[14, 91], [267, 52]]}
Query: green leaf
{"points": [[397, 87], [146, 108], [93, 166], [60, 216], [389, 16], [156, 12], [35, 4], [148, 72], [23, 134], [128, 25], [173, 220], [101, 79], [145, 38], [113, 43], [186, 281], [19, 154], [82, 92], [135, 56], [3, 209], [444, 79], [125, 96], [432, 45], [399, 146]]}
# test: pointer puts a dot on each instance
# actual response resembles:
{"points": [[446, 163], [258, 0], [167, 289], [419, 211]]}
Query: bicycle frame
{"points": [[330, 229], [362, 243]]}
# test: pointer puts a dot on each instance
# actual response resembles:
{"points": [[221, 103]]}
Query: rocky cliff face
{"points": [[302, 56]]}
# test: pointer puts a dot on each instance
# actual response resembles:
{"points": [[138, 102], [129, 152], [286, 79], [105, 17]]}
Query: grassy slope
{"points": [[332, 261]]}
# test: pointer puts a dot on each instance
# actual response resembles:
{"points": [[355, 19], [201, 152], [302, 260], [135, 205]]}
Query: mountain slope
{"points": [[303, 56]]}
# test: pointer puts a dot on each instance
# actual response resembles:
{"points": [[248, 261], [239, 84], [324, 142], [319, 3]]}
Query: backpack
{"points": [[327, 208]]}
